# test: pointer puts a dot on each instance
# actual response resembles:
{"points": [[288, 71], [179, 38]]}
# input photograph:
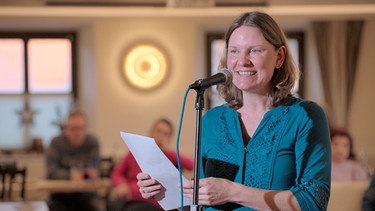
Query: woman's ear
{"points": [[281, 52]]}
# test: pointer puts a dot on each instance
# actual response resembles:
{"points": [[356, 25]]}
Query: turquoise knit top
{"points": [[290, 150]]}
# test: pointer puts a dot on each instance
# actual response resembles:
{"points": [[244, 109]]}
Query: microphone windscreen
{"points": [[228, 75]]}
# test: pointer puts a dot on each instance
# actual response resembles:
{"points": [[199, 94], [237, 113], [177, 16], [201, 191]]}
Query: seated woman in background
{"points": [[344, 166], [124, 176]]}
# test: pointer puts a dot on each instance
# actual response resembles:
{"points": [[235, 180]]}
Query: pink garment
{"points": [[348, 171], [127, 169]]}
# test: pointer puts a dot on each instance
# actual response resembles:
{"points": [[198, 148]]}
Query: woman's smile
{"points": [[246, 73]]}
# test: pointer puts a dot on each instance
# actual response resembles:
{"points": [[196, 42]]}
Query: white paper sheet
{"points": [[152, 160]]}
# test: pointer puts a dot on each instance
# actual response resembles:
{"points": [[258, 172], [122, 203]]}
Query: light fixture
{"points": [[145, 66]]}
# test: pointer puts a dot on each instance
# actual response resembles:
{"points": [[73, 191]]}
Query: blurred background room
{"points": [[127, 62]]}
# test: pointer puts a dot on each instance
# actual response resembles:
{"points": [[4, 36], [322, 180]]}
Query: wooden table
{"points": [[24, 206], [67, 186]]}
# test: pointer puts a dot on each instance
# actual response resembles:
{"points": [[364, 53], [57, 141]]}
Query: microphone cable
{"points": [[177, 148]]}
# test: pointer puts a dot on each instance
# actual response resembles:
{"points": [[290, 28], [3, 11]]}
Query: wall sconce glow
{"points": [[145, 66]]}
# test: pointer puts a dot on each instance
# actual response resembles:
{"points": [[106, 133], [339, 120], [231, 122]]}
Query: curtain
{"points": [[338, 44]]}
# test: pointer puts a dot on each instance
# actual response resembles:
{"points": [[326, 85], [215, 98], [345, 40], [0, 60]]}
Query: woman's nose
{"points": [[244, 60]]}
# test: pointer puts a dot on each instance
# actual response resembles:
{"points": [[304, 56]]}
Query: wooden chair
{"points": [[106, 166], [9, 175]]}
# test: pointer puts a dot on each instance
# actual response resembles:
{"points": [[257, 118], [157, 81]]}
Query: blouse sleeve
{"points": [[313, 160], [186, 163], [117, 174]]}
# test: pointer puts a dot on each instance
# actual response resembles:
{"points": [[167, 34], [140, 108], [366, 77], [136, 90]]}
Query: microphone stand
{"points": [[199, 106], [224, 76]]}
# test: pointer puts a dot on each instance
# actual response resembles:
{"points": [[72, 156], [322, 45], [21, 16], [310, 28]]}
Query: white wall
{"points": [[123, 108]]}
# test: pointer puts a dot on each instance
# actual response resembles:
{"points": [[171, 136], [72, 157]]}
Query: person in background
{"points": [[126, 191], [74, 155], [37, 145], [368, 200], [265, 149], [345, 168]]}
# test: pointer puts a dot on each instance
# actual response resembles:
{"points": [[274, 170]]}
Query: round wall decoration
{"points": [[145, 66]]}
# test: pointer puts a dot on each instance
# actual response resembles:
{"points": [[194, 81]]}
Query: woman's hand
{"points": [[148, 186], [212, 191]]}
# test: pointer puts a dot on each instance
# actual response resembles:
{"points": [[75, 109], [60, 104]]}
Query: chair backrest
{"points": [[106, 166], [9, 175]]}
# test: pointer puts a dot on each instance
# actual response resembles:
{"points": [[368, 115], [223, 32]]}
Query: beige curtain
{"points": [[338, 46]]}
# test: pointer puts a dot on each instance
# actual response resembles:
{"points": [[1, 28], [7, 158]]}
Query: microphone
{"points": [[224, 76]]}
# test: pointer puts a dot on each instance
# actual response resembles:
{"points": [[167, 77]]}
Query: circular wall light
{"points": [[145, 66]]}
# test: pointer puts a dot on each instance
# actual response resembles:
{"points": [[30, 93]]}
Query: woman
{"points": [[126, 191], [264, 149], [344, 166]]}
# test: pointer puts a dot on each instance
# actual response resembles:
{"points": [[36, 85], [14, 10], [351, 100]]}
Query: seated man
{"points": [[74, 155]]}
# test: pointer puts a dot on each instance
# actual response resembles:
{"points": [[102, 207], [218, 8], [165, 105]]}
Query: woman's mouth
{"points": [[247, 73]]}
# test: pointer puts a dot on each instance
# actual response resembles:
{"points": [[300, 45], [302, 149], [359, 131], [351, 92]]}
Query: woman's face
{"points": [[162, 134], [252, 59], [340, 148]]}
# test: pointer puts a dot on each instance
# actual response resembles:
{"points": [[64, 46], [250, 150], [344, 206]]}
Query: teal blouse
{"points": [[290, 150]]}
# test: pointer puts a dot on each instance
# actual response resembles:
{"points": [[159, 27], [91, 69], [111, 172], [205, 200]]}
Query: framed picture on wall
{"points": [[215, 45]]}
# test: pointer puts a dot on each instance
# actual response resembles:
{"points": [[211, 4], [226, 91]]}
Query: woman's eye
{"points": [[233, 51], [255, 51]]}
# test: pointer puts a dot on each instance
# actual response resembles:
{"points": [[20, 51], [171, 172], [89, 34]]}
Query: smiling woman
{"points": [[215, 45]]}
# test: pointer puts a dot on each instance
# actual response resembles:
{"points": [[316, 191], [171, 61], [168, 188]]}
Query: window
{"points": [[215, 49], [37, 86], [11, 66]]}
